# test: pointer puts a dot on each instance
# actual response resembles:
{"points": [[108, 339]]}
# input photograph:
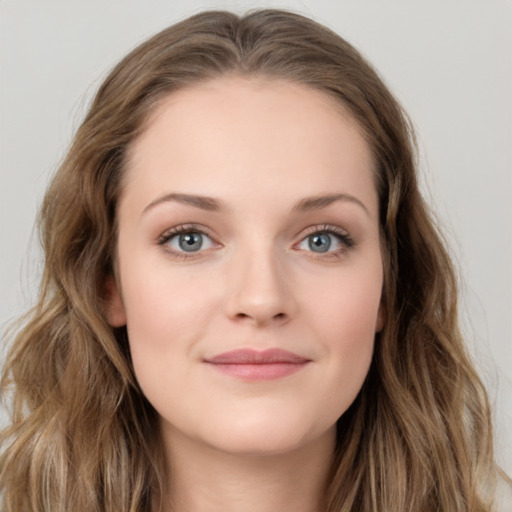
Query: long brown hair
{"points": [[417, 438]]}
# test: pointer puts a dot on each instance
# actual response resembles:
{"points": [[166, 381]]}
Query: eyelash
{"points": [[345, 240], [180, 230]]}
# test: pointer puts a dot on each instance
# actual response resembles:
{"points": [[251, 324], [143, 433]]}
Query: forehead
{"points": [[258, 132]]}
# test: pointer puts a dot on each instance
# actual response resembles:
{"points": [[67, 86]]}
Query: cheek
{"points": [[347, 302], [168, 313], [345, 317], [158, 299]]}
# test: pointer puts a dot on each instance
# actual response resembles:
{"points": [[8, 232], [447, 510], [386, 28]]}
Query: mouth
{"points": [[248, 364]]}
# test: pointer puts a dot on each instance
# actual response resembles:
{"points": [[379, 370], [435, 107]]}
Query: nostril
{"points": [[261, 318]]}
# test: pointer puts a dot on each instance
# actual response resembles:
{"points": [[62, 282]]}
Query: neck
{"points": [[202, 478]]}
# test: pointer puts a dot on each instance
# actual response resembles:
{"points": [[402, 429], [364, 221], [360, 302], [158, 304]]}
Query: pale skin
{"points": [[248, 220]]}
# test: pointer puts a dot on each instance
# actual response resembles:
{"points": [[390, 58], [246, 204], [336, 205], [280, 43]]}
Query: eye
{"points": [[327, 240], [185, 239], [320, 242], [190, 242]]}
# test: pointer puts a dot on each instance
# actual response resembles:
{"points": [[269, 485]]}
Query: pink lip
{"points": [[250, 364]]}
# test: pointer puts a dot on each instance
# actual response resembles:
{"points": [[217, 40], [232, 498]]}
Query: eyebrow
{"points": [[202, 202], [322, 201], [211, 204]]}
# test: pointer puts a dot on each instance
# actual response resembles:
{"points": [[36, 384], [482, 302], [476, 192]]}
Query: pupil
{"points": [[320, 242], [191, 242]]}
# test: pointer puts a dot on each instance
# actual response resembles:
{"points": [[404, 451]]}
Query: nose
{"points": [[259, 289]]}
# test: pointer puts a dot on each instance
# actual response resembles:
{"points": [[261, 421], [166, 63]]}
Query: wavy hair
{"points": [[418, 436]]}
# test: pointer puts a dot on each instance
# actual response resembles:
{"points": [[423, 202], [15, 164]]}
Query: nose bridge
{"points": [[259, 290]]}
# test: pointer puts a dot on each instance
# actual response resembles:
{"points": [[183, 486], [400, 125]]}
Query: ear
{"points": [[115, 313], [381, 318]]}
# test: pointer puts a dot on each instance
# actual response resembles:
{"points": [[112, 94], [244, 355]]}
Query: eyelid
{"points": [[191, 227], [324, 228], [346, 241], [182, 229]]}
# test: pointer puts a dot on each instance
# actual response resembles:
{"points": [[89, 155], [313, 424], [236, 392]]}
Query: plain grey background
{"points": [[449, 62]]}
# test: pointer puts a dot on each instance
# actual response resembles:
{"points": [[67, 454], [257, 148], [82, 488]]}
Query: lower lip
{"points": [[268, 371]]}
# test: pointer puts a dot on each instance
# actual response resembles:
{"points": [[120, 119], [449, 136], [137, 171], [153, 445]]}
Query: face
{"points": [[249, 264]]}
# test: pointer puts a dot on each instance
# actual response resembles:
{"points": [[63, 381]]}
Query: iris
{"points": [[319, 242], [190, 241]]}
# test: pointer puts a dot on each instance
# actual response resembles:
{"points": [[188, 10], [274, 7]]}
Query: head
{"points": [[81, 236], [263, 46]]}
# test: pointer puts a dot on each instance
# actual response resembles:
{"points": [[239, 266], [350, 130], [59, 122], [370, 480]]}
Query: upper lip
{"points": [[250, 356]]}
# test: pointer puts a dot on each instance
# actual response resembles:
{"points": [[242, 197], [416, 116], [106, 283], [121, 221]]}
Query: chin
{"points": [[266, 436]]}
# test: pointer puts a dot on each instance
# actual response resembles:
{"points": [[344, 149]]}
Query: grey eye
{"points": [[319, 242], [190, 242]]}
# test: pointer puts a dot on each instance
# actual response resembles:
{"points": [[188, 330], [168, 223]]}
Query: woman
{"points": [[245, 304]]}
